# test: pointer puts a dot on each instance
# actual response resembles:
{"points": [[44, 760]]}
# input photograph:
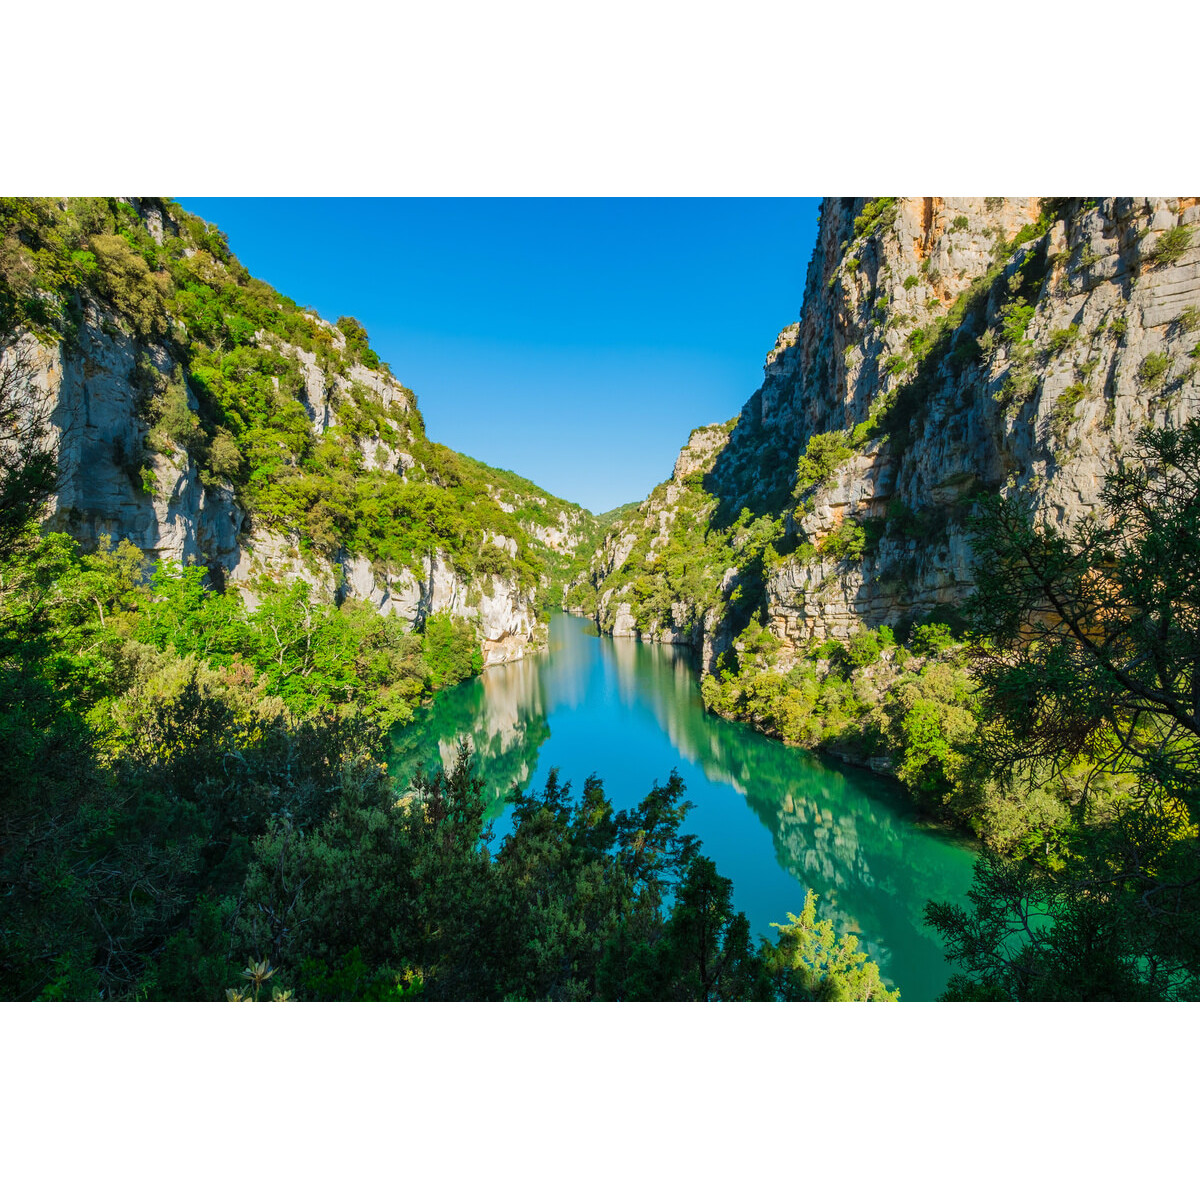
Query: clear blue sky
{"points": [[576, 342]]}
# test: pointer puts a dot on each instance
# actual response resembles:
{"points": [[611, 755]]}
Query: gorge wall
{"points": [[947, 348], [207, 419]]}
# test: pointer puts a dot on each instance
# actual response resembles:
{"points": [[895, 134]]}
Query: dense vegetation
{"points": [[1086, 649], [192, 787], [193, 784], [193, 805], [230, 376]]}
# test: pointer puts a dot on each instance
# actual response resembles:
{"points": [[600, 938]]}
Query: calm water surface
{"points": [[775, 820]]}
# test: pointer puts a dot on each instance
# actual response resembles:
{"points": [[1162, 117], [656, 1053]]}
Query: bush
{"points": [[176, 422], [224, 458], [847, 542], [1153, 368], [1019, 385], [1170, 246], [451, 651], [911, 281], [822, 456], [1189, 319], [1064, 410], [930, 638], [1062, 339], [123, 277], [1016, 318], [959, 224], [865, 646], [877, 213]]}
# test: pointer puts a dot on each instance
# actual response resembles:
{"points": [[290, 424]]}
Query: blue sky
{"points": [[574, 341]]}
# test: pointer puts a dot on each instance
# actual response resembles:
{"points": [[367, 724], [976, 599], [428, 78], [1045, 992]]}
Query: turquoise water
{"points": [[776, 820]]}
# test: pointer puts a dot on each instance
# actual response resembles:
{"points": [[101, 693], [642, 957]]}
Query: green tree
{"points": [[1089, 652], [451, 652], [809, 962]]}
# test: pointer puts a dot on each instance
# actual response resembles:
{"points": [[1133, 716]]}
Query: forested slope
{"points": [[206, 418]]}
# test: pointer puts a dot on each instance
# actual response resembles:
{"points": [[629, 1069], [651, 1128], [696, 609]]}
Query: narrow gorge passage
{"points": [[776, 820]]}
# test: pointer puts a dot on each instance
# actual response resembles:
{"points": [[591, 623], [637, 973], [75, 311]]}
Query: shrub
{"points": [[451, 652], [124, 278], [1153, 368], [959, 223], [357, 343], [1064, 410], [877, 213], [176, 422], [822, 456], [865, 646], [1170, 246], [1189, 319], [224, 458], [1061, 339], [930, 638], [1016, 318], [1028, 233], [847, 542], [911, 281]]}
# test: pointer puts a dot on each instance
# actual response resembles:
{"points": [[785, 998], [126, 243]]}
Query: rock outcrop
{"points": [[120, 477], [950, 347]]}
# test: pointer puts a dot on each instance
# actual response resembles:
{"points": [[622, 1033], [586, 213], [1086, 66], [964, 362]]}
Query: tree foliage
{"points": [[1088, 653]]}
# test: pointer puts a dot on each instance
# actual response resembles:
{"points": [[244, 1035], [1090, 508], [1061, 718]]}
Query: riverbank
{"points": [[777, 820]]}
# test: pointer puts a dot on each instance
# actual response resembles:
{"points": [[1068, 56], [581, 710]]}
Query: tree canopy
{"points": [[1088, 651]]}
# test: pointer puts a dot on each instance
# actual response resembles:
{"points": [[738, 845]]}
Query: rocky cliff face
{"points": [[121, 477], [947, 347]]}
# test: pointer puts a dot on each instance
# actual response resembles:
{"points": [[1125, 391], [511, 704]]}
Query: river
{"points": [[776, 820]]}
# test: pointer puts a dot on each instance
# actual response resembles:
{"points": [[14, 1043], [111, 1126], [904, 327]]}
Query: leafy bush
{"points": [[1063, 339], [1063, 415], [847, 542], [959, 223], [930, 638], [876, 214], [1016, 318], [122, 276], [357, 342], [176, 422], [224, 457], [911, 281], [822, 456], [1171, 246], [1153, 368], [451, 651]]}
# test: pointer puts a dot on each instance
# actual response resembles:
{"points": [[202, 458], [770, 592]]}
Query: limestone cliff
{"points": [[947, 347], [277, 449]]}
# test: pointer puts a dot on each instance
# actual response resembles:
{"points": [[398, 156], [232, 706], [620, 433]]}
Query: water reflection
{"points": [[776, 820], [502, 714]]}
